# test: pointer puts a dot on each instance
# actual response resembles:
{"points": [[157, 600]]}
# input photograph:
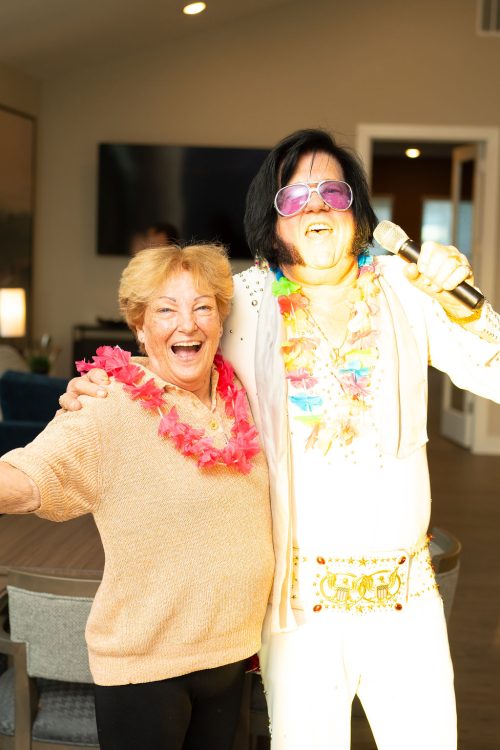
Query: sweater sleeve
{"points": [[64, 462]]}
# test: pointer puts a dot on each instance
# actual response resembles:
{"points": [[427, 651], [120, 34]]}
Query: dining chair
{"points": [[46, 693]]}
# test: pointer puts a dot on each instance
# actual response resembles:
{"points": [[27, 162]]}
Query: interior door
{"points": [[457, 405]]}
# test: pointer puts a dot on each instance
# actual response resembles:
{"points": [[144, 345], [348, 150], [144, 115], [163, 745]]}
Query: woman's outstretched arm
{"points": [[18, 493]]}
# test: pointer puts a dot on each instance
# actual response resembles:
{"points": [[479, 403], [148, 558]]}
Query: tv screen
{"points": [[190, 193]]}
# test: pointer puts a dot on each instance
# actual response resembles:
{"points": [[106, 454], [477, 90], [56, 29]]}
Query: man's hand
{"points": [[91, 384], [441, 268]]}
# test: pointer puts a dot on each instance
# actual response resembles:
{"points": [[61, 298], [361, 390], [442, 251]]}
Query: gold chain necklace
{"points": [[337, 349]]}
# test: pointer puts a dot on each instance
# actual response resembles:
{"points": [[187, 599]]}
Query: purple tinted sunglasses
{"points": [[291, 199]]}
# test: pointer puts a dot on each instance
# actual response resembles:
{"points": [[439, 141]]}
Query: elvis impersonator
{"points": [[333, 347]]}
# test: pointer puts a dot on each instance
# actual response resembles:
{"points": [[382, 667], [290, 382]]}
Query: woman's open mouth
{"points": [[187, 349]]}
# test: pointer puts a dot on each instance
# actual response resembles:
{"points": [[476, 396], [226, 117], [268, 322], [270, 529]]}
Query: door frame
{"points": [[483, 441], [457, 421]]}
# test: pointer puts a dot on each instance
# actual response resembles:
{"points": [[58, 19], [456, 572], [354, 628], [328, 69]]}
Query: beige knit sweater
{"points": [[189, 557]]}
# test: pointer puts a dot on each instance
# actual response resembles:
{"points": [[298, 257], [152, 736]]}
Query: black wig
{"points": [[277, 170]]}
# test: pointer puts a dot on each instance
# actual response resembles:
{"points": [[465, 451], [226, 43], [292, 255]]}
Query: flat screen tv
{"points": [[198, 191]]}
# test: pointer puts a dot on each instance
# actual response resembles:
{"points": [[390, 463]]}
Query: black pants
{"points": [[197, 711]]}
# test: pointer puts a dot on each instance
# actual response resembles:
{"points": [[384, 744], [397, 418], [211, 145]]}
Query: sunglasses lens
{"points": [[338, 195], [291, 199]]}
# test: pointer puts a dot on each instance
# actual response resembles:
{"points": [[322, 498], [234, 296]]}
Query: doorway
{"points": [[382, 143]]}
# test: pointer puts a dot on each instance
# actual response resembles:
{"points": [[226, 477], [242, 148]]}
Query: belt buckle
{"points": [[360, 584]]}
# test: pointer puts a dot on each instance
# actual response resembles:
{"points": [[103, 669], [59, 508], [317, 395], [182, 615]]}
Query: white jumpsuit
{"points": [[361, 508]]}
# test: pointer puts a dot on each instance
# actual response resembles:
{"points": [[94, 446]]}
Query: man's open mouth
{"points": [[318, 230]]}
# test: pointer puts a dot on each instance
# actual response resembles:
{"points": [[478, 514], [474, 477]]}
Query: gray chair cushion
{"points": [[66, 711], [53, 627]]}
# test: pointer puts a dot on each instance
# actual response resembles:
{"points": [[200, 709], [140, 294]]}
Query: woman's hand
{"points": [[440, 269], [91, 384]]}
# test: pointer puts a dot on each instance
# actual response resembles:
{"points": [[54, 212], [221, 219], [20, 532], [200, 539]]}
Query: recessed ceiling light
{"points": [[412, 153], [193, 8]]}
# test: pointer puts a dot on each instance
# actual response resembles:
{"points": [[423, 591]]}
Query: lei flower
{"points": [[190, 441], [352, 365]]}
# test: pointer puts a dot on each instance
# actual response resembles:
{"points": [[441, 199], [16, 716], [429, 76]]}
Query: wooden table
{"points": [[72, 548]]}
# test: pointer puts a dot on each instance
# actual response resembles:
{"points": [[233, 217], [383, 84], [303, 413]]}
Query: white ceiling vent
{"points": [[488, 17]]}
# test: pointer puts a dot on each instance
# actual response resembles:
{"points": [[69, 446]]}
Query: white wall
{"points": [[320, 63]]}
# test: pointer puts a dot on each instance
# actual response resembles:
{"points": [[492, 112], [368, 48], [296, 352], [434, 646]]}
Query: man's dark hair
{"points": [[277, 170], [169, 230]]}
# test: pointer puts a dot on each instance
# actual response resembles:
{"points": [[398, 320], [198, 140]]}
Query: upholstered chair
{"points": [[46, 694], [27, 402]]}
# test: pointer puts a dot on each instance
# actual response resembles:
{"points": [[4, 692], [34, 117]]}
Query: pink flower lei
{"points": [[243, 444]]}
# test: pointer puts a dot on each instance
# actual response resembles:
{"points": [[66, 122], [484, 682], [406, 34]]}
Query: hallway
{"points": [[466, 500]]}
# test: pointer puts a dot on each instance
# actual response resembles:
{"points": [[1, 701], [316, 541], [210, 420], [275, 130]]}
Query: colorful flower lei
{"points": [[241, 447], [352, 364]]}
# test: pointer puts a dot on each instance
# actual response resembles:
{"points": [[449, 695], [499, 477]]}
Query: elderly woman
{"points": [[171, 469]]}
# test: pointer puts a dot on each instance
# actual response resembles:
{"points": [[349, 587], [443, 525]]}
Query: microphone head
{"points": [[390, 236]]}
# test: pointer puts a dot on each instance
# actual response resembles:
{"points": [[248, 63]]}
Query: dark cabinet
{"points": [[87, 338]]}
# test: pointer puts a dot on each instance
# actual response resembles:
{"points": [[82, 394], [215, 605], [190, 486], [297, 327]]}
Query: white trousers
{"points": [[398, 663]]}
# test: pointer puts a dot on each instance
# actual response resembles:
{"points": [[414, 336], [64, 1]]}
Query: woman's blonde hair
{"points": [[150, 268]]}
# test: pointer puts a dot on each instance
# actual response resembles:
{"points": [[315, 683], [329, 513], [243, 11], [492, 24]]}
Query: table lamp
{"points": [[12, 313]]}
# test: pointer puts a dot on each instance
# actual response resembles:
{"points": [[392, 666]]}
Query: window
{"points": [[437, 223], [382, 205]]}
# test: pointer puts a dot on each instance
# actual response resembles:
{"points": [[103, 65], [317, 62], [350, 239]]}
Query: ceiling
{"points": [[43, 37]]}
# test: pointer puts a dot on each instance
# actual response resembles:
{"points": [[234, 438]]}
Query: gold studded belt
{"points": [[373, 583]]}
